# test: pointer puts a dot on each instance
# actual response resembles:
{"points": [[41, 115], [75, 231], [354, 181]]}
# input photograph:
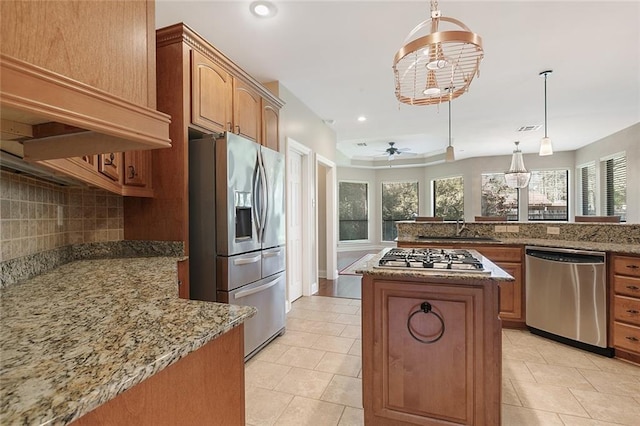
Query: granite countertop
{"points": [[578, 245], [495, 273], [77, 336]]}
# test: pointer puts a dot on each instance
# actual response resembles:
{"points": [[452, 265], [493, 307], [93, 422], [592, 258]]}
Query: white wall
{"points": [[627, 140]]}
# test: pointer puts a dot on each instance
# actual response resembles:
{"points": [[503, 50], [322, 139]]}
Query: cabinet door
{"points": [[247, 107], [137, 168], [110, 165], [270, 125], [511, 292], [211, 88]]}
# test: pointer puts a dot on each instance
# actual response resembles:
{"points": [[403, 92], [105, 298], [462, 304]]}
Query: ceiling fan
{"points": [[392, 151]]}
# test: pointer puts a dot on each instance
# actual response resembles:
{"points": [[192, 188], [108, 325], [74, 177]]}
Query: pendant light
{"points": [[517, 176], [545, 144], [448, 55], [449, 155]]}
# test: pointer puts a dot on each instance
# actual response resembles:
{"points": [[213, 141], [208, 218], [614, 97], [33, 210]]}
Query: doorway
{"points": [[326, 218], [299, 201]]}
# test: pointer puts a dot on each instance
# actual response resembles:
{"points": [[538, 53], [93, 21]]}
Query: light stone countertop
{"points": [[495, 273], [77, 336]]}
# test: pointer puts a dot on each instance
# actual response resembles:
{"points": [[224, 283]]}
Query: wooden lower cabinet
{"points": [[205, 387], [625, 306], [455, 380]]}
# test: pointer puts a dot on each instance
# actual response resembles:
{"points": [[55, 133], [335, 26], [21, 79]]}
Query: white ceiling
{"points": [[336, 57]]}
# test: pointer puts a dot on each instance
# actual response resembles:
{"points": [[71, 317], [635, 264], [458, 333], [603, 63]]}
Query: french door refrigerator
{"points": [[237, 230]]}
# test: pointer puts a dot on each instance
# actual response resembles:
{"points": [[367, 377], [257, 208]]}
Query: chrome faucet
{"points": [[459, 228]]}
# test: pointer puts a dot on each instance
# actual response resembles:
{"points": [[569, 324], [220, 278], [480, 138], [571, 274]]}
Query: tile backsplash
{"points": [[36, 215]]}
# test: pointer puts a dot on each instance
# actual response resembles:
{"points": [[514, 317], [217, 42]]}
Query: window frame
{"points": [[382, 220], [581, 189], [434, 196], [518, 193], [568, 194], [368, 212]]}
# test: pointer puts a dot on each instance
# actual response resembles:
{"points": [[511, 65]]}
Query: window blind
{"points": [[587, 189], [616, 186]]}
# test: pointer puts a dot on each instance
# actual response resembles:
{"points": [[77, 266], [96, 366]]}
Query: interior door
{"points": [[295, 224]]}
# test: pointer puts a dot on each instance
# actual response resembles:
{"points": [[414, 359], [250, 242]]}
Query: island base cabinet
{"points": [[454, 379], [205, 387]]}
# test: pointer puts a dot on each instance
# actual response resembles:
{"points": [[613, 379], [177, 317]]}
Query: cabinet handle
{"points": [[109, 161], [132, 172], [426, 308], [632, 266], [633, 287], [237, 129], [632, 338], [632, 311], [229, 128]]}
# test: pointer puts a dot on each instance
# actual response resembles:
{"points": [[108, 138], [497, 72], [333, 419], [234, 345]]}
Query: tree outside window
{"points": [[353, 209], [548, 195], [448, 198], [399, 202], [498, 198]]}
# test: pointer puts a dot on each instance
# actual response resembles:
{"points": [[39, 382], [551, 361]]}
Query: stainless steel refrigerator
{"points": [[237, 230]]}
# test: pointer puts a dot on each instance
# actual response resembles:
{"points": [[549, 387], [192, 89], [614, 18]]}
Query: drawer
{"points": [[626, 309], [626, 337], [236, 271], [273, 261], [626, 265], [626, 286], [500, 254]]}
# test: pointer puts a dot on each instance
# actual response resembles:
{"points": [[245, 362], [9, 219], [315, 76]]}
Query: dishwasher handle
{"points": [[565, 257]]}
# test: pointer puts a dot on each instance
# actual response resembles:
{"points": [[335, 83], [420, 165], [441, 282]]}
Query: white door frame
{"points": [[331, 209], [306, 209]]}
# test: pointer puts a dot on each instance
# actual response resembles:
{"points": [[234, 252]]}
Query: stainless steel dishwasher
{"points": [[566, 297]]}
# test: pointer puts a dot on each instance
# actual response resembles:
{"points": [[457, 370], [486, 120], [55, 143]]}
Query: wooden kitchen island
{"points": [[431, 346]]}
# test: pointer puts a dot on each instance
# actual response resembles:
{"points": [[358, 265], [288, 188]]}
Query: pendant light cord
{"points": [[545, 104], [449, 122]]}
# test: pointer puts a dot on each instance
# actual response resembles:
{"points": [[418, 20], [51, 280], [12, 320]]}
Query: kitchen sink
{"points": [[456, 238]]}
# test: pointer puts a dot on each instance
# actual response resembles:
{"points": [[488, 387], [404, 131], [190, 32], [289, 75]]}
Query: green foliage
{"points": [[449, 198], [399, 202], [353, 210]]}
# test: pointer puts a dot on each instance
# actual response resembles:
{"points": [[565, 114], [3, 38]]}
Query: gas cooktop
{"points": [[431, 259]]}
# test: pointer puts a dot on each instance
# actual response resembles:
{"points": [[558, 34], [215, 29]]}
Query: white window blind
{"points": [[588, 190], [615, 170]]}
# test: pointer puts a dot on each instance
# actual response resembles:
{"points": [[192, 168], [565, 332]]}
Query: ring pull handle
{"points": [[109, 161], [633, 266], [132, 172], [426, 308]]}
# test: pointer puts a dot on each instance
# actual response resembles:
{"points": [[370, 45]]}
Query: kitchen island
{"points": [[114, 332], [431, 345]]}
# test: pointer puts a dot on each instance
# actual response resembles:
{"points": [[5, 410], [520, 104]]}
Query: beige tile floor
{"points": [[312, 376]]}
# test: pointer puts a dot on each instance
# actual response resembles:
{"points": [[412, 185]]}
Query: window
{"points": [[615, 181], [354, 211], [587, 176], [448, 198], [548, 195], [498, 199], [399, 202]]}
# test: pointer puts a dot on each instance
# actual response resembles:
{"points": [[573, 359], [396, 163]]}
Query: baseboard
{"points": [[360, 247], [322, 273]]}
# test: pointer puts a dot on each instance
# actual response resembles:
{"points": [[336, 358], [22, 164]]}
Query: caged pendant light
{"points": [[449, 58], [545, 144], [517, 176]]}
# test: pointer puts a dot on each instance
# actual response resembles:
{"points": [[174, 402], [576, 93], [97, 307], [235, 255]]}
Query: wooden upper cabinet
{"points": [[211, 94], [110, 165], [137, 165], [247, 106], [270, 125]]}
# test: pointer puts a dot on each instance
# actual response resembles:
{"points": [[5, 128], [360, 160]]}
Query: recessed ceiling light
{"points": [[263, 9], [362, 118]]}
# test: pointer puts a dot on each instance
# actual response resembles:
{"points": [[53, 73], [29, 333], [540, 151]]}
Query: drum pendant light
{"points": [[545, 144], [517, 176]]}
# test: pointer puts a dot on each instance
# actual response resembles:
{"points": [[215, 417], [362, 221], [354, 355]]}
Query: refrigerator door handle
{"points": [[246, 260], [271, 253], [257, 202], [264, 205], [245, 293]]}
